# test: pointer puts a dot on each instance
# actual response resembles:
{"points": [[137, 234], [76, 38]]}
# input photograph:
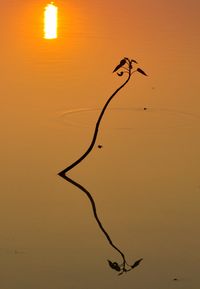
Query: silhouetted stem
{"points": [[63, 172], [64, 176]]}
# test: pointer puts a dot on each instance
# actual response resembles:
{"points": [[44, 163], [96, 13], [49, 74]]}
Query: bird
{"points": [[122, 62], [100, 146]]}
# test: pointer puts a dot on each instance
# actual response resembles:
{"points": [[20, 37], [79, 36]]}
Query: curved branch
{"points": [[96, 215], [64, 176], [75, 163], [63, 172]]}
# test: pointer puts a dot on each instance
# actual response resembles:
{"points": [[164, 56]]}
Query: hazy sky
{"points": [[145, 179]]}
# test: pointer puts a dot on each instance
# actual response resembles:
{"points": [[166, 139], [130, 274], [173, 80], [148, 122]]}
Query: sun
{"points": [[50, 21]]}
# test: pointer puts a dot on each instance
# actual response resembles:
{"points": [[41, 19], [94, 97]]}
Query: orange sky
{"points": [[145, 180]]}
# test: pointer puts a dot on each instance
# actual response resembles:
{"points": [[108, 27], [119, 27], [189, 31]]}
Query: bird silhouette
{"points": [[122, 62], [100, 146]]}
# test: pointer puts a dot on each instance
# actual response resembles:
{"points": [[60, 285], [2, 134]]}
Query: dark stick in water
{"points": [[126, 67]]}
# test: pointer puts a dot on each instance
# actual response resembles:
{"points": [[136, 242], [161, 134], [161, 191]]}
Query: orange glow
{"points": [[50, 21]]}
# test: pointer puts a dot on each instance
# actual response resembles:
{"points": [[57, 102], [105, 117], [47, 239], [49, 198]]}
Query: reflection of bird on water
{"points": [[122, 62]]}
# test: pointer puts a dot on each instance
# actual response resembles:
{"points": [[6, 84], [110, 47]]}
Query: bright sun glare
{"points": [[50, 21]]}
